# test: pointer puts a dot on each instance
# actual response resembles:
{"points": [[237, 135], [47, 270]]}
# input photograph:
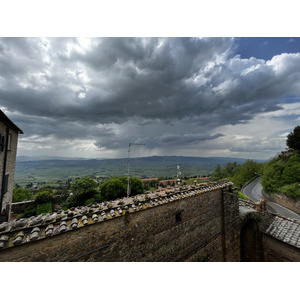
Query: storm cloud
{"points": [[101, 93]]}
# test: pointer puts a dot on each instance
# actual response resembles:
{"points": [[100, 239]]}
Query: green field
{"points": [[146, 167]]}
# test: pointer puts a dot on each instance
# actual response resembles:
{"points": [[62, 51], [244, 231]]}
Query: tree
{"points": [[82, 189], [136, 186], [20, 195], [83, 185], [44, 197], [293, 139], [282, 175], [218, 172], [116, 187], [247, 171]]}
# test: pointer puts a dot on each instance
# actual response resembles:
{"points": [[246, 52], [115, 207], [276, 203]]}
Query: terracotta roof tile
{"points": [[286, 230], [34, 228]]}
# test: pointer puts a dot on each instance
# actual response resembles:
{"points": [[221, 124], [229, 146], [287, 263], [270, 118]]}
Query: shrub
{"points": [[20, 195], [44, 197], [44, 208], [116, 187], [247, 171], [291, 190], [28, 212], [89, 201], [83, 186], [282, 175], [78, 200]]}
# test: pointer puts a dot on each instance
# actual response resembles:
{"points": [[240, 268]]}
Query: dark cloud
{"points": [[188, 138], [159, 90]]}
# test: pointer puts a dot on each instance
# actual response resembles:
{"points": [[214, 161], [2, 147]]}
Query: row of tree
{"points": [[83, 191]]}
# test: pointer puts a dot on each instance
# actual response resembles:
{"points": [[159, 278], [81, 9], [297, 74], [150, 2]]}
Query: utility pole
{"points": [[128, 165]]}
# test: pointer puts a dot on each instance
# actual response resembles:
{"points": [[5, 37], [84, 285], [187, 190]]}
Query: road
{"points": [[254, 191]]}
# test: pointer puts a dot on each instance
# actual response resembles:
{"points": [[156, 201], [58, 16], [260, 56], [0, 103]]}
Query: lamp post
{"points": [[128, 165]]}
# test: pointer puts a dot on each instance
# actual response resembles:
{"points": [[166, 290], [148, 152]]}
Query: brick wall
{"points": [[278, 251], [202, 227]]}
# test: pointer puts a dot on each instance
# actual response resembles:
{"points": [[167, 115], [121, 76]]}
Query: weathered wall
{"points": [[251, 242], [10, 167], [202, 227], [278, 251], [285, 201], [19, 207]]}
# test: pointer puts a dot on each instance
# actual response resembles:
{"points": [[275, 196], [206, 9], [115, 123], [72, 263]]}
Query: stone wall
{"points": [[278, 251], [10, 167], [285, 201], [19, 207], [203, 227]]}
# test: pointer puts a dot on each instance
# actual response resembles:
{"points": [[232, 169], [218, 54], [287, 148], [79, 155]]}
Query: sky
{"points": [[91, 97]]}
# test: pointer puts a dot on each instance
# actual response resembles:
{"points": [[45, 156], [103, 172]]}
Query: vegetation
{"points": [[228, 171], [293, 139], [246, 173], [44, 197], [20, 194], [117, 188], [84, 186], [238, 174], [82, 189], [44, 208], [43, 204], [282, 175]]}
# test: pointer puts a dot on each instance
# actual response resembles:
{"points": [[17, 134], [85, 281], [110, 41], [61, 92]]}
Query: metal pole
{"points": [[128, 167], [128, 176]]}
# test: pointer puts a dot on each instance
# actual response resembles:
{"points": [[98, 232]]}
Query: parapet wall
{"points": [[198, 223]]}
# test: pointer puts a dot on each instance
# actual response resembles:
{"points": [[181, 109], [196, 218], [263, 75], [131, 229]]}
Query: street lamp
{"points": [[128, 163]]}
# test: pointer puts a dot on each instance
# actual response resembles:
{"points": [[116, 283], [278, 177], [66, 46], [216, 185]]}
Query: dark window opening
{"points": [[5, 187], [178, 217], [2, 142]]}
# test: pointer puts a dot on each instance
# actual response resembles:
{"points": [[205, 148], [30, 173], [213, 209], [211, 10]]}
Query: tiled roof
{"points": [[39, 227], [8, 122], [286, 230], [149, 179]]}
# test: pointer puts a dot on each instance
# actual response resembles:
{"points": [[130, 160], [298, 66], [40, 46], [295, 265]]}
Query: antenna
{"points": [[128, 164], [178, 174]]}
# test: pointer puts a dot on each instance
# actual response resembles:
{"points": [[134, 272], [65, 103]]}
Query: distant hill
{"points": [[45, 157], [143, 167]]}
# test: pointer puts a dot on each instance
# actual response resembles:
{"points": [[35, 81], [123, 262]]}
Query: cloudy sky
{"points": [[90, 97]]}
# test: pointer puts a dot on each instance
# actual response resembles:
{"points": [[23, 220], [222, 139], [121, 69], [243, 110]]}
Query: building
{"points": [[8, 151]]}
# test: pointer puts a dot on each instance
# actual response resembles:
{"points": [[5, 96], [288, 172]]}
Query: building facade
{"points": [[8, 151]]}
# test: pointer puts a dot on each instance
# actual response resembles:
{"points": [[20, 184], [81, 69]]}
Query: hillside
{"points": [[144, 167], [282, 174]]}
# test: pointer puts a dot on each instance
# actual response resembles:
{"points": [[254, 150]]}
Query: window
{"points": [[2, 142], [178, 217], [5, 187]]}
